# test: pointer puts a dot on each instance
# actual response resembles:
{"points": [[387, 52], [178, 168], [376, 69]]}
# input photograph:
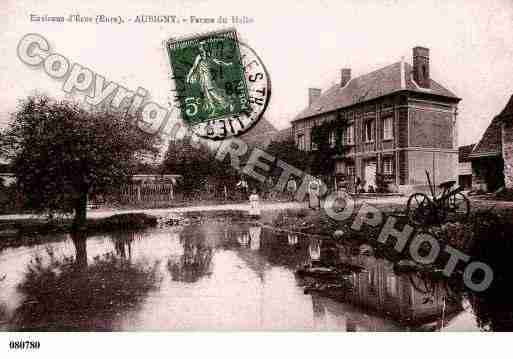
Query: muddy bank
{"points": [[470, 236]]}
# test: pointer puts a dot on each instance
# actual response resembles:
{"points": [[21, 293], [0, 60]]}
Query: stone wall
{"points": [[478, 177], [507, 152], [487, 173]]}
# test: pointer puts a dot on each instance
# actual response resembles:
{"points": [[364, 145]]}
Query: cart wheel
{"points": [[459, 205], [422, 283], [419, 209]]}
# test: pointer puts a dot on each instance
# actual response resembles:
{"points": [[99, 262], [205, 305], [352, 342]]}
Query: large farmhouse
{"points": [[396, 121]]}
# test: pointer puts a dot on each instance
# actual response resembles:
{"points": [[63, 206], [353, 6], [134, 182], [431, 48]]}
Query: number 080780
{"points": [[24, 344]]}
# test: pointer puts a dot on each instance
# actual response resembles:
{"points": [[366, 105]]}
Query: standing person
{"points": [[291, 188], [358, 184], [313, 194], [269, 189], [242, 185], [254, 204]]}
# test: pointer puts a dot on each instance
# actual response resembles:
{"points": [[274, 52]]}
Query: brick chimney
{"points": [[345, 77], [421, 66], [313, 95]]}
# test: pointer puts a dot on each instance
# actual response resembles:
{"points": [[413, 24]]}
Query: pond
{"points": [[216, 275]]}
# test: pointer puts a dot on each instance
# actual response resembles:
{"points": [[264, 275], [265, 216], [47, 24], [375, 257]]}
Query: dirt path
{"points": [[100, 213], [382, 203], [165, 211]]}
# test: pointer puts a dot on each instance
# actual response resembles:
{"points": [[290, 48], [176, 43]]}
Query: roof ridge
{"points": [[382, 81], [490, 142], [379, 69]]}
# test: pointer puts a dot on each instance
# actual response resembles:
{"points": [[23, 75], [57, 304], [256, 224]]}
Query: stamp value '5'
{"points": [[209, 76]]}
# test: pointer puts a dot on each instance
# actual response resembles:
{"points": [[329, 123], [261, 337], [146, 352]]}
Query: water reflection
{"points": [[254, 237], [494, 307], [243, 239], [3, 309], [123, 243], [220, 276], [414, 301], [73, 293], [196, 260], [314, 249], [292, 239], [80, 242]]}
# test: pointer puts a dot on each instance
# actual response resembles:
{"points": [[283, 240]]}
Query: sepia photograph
{"points": [[274, 168]]}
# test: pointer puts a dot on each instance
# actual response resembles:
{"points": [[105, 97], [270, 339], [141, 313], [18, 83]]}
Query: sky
{"points": [[303, 44]]}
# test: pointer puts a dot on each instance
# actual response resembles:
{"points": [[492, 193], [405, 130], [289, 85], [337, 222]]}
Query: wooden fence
{"points": [[146, 193]]}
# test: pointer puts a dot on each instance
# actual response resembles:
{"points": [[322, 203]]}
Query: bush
{"points": [[122, 221], [505, 195], [7, 199]]}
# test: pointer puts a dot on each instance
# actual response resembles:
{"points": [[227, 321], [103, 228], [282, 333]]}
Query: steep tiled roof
{"points": [[378, 83], [283, 135], [260, 134], [490, 143], [507, 112], [464, 152]]}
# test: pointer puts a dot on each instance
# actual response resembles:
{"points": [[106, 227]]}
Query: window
{"points": [[301, 142], [391, 285], [388, 166], [332, 139], [351, 171], [368, 131], [313, 144], [348, 135], [388, 128]]}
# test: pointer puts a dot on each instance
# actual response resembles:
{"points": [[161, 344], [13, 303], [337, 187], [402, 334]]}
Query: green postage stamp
{"points": [[209, 76]]}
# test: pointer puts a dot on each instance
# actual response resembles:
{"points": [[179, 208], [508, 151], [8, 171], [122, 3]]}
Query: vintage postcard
{"points": [[228, 166]]}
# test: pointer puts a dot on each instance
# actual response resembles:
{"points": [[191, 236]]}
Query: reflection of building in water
{"points": [[243, 238], [331, 315], [408, 299], [292, 239], [196, 260], [251, 238], [314, 249]]}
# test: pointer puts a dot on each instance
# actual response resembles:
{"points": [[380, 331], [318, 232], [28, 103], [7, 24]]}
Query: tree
{"points": [[287, 152], [328, 138], [62, 153], [323, 159], [197, 164]]}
